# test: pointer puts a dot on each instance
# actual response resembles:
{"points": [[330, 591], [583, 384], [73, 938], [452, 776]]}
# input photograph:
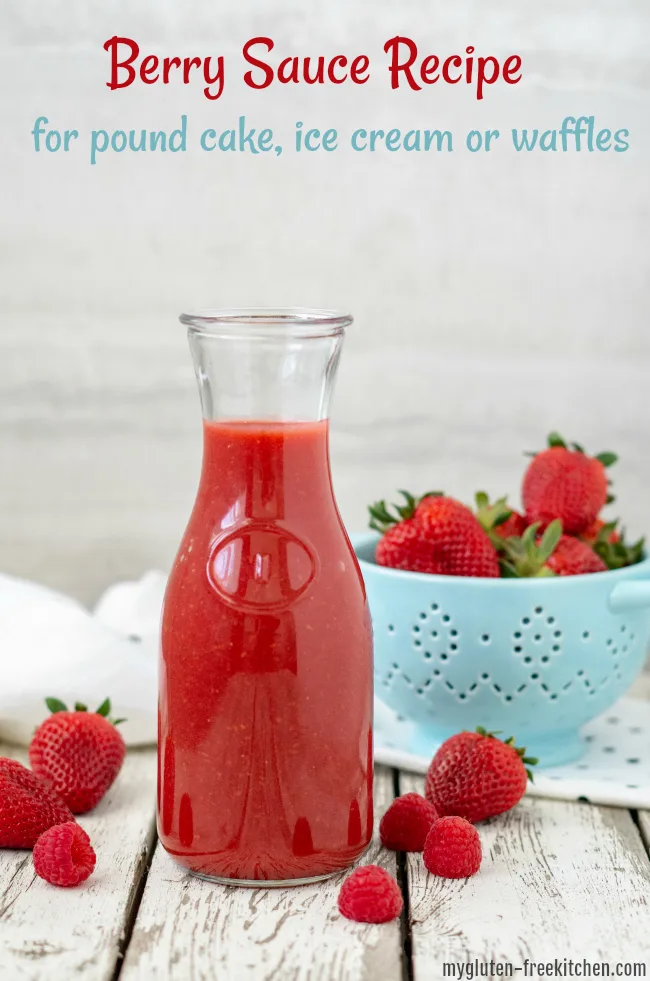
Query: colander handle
{"points": [[630, 596]]}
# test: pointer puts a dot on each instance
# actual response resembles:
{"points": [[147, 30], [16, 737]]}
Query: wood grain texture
{"points": [[50, 934], [644, 828], [557, 880], [187, 928]]}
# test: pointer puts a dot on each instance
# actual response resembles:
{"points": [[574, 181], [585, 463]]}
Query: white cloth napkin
{"points": [[52, 646]]}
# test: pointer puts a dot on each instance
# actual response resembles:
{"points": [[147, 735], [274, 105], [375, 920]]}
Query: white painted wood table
{"points": [[559, 880]]}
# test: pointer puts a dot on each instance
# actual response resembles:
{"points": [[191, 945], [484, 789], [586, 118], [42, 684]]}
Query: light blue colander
{"points": [[533, 658]]}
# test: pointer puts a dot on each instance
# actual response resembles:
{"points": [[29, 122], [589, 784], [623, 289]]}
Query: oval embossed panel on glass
{"points": [[265, 741]]}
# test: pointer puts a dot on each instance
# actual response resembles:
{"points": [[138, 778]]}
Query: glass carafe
{"points": [[265, 723]]}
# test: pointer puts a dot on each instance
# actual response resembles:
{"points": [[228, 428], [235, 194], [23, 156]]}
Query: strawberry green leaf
{"points": [[501, 519], [80, 707], [507, 570], [607, 459], [555, 439], [407, 510], [524, 558], [490, 516], [528, 761], [578, 448], [550, 540], [105, 708], [617, 554], [118, 722], [381, 519], [56, 705]]}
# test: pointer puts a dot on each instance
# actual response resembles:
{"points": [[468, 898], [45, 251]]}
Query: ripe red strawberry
{"points": [[609, 543], [79, 753], [566, 484], [600, 529], [407, 822], [434, 534], [453, 848], [474, 775], [370, 895], [63, 855], [403, 547], [460, 546], [573, 557], [27, 806]]}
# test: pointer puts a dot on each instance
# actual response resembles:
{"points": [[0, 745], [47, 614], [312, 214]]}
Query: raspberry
{"points": [[407, 822], [452, 848], [63, 855], [370, 895]]}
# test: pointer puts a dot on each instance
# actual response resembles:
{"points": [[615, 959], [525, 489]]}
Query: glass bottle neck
{"points": [[265, 368]]}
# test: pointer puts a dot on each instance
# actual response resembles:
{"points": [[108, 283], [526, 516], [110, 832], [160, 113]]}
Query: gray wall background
{"points": [[496, 296]]}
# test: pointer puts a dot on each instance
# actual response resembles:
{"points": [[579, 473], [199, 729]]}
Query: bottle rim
{"points": [[253, 322]]}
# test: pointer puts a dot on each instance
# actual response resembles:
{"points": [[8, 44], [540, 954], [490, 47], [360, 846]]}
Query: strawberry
{"points": [[598, 530], [550, 554], [474, 775], [610, 544], [573, 557], [402, 547], [435, 534], [566, 484], [78, 753], [27, 806], [499, 519]]}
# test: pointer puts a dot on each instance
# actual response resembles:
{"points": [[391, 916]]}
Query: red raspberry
{"points": [[370, 895], [453, 848], [63, 855], [407, 822]]}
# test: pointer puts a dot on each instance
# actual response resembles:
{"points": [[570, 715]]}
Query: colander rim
{"points": [[553, 582]]}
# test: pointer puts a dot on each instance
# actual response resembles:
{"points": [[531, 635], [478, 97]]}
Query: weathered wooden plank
{"points": [[50, 934], [192, 929], [558, 880], [644, 828]]}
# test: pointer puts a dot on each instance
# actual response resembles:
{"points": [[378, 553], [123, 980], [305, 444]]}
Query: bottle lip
{"points": [[253, 322]]}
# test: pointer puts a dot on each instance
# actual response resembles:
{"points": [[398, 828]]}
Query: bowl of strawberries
{"points": [[532, 621]]}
